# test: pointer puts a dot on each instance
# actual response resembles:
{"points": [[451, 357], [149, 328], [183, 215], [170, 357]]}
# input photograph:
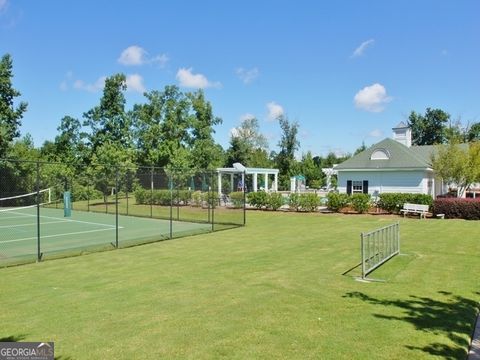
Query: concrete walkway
{"points": [[474, 353]]}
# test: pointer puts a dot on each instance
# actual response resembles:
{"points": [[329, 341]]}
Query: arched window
{"points": [[380, 154]]}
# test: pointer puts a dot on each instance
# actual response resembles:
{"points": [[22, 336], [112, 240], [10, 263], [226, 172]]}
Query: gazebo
{"points": [[239, 169]]}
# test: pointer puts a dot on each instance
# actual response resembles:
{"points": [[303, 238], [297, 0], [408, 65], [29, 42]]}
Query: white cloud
{"points": [[135, 83], [363, 46], [198, 81], [3, 5], [161, 60], [96, 86], [136, 55], [133, 55], [247, 76], [376, 133], [372, 98], [274, 111]]}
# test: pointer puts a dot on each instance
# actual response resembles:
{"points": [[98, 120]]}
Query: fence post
{"points": [[171, 203], [116, 207], [244, 203], [39, 254], [363, 256], [151, 193]]}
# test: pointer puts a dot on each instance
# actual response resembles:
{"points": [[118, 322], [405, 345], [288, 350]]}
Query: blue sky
{"points": [[347, 71]]}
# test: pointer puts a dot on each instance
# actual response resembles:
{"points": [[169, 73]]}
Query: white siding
{"points": [[413, 181]]}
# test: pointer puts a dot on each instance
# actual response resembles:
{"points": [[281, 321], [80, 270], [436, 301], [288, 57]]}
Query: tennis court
{"points": [[82, 231]]}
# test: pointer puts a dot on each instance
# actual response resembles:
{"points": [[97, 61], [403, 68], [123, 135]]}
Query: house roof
{"points": [[399, 157], [401, 125]]}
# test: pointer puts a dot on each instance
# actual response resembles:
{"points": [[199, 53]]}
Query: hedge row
{"points": [[393, 202], [359, 202], [180, 197], [273, 201], [456, 208]]}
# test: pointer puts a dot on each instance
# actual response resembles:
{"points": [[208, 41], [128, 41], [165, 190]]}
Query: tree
{"points": [[162, 129], [288, 145], [204, 152], [429, 129], [109, 160], [474, 132], [10, 116], [311, 171], [458, 164], [108, 121], [248, 145], [362, 147]]}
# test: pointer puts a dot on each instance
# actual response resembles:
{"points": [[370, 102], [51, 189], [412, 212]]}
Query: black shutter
{"points": [[365, 186], [349, 187]]}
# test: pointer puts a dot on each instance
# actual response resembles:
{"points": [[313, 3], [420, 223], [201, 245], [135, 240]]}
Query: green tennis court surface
{"points": [[81, 231]]}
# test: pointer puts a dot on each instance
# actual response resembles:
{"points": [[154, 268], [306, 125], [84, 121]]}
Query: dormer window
{"points": [[380, 154]]}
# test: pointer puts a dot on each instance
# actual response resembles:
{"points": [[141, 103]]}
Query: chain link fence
{"points": [[50, 210]]}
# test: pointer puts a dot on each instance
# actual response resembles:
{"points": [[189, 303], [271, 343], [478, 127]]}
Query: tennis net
{"points": [[25, 201]]}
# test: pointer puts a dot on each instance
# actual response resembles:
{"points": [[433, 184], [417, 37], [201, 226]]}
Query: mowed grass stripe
{"points": [[272, 289]]}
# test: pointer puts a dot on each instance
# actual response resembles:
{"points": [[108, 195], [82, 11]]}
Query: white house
{"points": [[392, 165]]}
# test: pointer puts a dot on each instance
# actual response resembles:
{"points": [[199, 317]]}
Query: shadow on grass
{"points": [[453, 316], [13, 338]]}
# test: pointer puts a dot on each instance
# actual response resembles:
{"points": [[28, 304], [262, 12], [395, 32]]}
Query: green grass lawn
{"points": [[272, 289]]}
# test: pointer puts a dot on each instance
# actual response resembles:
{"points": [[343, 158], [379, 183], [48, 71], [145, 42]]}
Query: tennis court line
{"points": [[57, 235], [30, 224], [67, 220]]}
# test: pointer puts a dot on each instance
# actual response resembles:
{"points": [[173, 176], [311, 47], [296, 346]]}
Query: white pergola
{"points": [[243, 171], [329, 172]]}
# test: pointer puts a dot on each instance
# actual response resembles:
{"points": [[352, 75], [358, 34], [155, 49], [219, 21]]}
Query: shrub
{"points": [[197, 198], [82, 192], [294, 201], [237, 199], [141, 196], [393, 202], [360, 202], [274, 201], [211, 198], [309, 202], [336, 201], [257, 199], [456, 208], [161, 197]]}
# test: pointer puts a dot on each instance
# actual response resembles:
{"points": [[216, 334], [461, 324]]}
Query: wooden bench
{"points": [[420, 209]]}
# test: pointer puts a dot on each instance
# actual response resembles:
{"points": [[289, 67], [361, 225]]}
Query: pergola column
{"points": [[219, 183], [266, 182], [243, 181], [254, 182], [275, 182], [231, 182]]}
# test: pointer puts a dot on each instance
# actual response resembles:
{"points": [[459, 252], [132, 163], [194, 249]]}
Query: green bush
{"points": [[360, 202], [197, 198], [161, 197], [141, 196], [237, 198], [274, 201], [82, 192], [258, 199], [212, 198], [393, 202], [182, 196], [309, 202], [294, 201], [336, 201]]}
